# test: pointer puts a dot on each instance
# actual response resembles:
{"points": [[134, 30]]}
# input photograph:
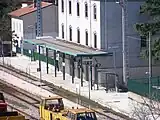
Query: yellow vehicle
{"points": [[78, 114], [11, 116], [52, 108]]}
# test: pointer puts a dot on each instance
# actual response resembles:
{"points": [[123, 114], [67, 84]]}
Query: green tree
{"points": [[152, 9], [7, 6]]}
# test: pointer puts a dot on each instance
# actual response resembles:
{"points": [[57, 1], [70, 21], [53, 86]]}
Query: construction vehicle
{"points": [[4, 114], [52, 108]]}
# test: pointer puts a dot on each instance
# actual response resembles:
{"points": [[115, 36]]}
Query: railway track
{"points": [[103, 112], [21, 101], [28, 116]]}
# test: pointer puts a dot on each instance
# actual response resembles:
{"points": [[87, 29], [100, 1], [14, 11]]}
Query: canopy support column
{"points": [[34, 59], [47, 59], [87, 72], [96, 76], [63, 64], [91, 72], [39, 53], [39, 69], [73, 67], [81, 64], [55, 64]]}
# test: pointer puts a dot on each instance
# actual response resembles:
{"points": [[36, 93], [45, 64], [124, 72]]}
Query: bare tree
{"points": [[146, 109]]}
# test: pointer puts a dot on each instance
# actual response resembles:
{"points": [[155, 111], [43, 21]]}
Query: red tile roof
{"points": [[26, 10]]}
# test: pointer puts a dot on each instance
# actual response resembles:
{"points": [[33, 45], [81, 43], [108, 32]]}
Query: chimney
{"points": [[34, 3], [24, 5]]}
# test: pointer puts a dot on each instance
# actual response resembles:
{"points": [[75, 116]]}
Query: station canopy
{"points": [[67, 47]]}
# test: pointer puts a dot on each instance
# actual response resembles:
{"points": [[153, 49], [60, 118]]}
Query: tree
{"points": [[151, 8], [6, 34], [146, 109], [7, 6]]}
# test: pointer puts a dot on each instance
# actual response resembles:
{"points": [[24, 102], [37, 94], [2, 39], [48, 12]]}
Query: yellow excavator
{"points": [[52, 108]]}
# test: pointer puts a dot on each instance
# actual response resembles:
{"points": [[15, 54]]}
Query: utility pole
{"points": [[149, 62], [125, 53], [39, 31], [39, 19]]}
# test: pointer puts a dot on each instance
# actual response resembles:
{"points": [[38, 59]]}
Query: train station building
{"points": [[86, 41]]}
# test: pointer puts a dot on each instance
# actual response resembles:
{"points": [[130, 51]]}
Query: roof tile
{"points": [[26, 10]]}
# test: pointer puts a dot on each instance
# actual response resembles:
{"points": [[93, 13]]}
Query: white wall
{"points": [[79, 21], [17, 26]]}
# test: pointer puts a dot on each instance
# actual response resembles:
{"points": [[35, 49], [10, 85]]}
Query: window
{"points": [[95, 40], [70, 33], [95, 12], [89, 115], [78, 35], [62, 31], [86, 33], [143, 41], [86, 10], [62, 3], [70, 7], [78, 14]]}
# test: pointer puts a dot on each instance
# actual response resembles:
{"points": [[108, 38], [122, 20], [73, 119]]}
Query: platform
{"points": [[116, 101]]}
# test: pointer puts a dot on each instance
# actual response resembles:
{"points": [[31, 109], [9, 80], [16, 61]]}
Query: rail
{"points": [[22, 112], [66, 94], [16, 97]]}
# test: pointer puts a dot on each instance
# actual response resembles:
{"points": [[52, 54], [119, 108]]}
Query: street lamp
{"points": [[122, 3], [150, 63]]}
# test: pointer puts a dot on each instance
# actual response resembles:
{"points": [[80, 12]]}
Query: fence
{"points": [[35, 56], [141, 87]]}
